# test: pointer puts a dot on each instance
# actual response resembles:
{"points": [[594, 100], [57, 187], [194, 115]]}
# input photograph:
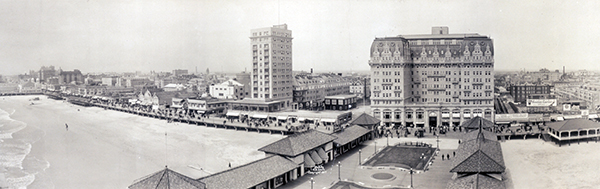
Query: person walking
{"points": [[66, 126], [448, 156], [454, 154], [442, 157]]}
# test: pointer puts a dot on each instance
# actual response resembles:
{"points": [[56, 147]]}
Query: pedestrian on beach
{"points": [[442, 157], [448, 156], [67, 126], [453, 153]]}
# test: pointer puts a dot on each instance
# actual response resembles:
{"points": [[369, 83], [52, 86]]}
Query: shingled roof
{"points": [[479, 156], [349, 134], [298, 143], [488, 135], [250, 174], [365, 119], [167, 178], [573, 124], [476, 122], [476, 181]]}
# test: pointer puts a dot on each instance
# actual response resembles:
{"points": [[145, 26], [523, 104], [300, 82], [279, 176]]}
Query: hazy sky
{"points": [[162, 35]]}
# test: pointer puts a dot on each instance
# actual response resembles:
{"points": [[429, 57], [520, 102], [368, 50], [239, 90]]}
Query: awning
{"points": [[260, 116], [328, 120], [593, 116], [420, 122], [502, 122], [445, 115], [455, 115], [308, 162], [282, 117], [467, 115], [301, 119], [200, 112], [560, 118], [233, 113], [315, 157], [322, 153]]}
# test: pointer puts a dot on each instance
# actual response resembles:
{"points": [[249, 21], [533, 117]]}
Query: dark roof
{"points": [[298, 143], [250, 174], [573, 124], [488, 135], [167, 178], [365, 119], [349, 134], [165, 97], [479, 155], [476, 122], [476, 181]]}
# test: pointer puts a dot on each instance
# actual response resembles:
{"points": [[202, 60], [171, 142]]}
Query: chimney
{"points": [[311, 70], [563, 70]]}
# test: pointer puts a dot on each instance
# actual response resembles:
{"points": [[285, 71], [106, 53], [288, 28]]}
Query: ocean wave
{"points": [[16, 140]]}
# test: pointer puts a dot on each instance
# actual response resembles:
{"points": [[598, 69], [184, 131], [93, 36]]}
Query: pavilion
{"points": [[306, 149], [479, 162], [267, 173], [350, 138], [574, 129], [166, 178], [476, 122], [367, 121]]}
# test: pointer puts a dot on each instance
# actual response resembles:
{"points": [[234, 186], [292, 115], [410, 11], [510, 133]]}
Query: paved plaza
{"points": [[437, 176]]}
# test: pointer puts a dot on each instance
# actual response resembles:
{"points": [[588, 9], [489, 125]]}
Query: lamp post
{"points": [[312, 181], [359, 159], [411, 180], [339, 171], [375, 147], [438, 141], [387, 137]]}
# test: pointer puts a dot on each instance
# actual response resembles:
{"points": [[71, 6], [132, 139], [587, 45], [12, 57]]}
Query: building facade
{"points": [[588, 93], [521, 92], [310, 90], [271, 78], [230, 89], [66, 77], [432, 80]]}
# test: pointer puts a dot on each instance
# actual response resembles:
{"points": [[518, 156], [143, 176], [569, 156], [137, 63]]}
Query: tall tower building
{"points": [[271, 78], [432, 80]]}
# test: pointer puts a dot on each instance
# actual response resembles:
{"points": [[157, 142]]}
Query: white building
{"points": [[271, 78], [229, 89]]}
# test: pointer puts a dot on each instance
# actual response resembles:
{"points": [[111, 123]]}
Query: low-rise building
{"points": [[521, 92], [230, 89], [306, 149], [310, 90]]}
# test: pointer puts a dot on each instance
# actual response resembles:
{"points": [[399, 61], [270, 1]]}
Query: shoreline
{"points": [[110, 149]]}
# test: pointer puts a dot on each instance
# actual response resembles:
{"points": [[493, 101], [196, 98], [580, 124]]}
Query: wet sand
{"points": [[110, 149]]}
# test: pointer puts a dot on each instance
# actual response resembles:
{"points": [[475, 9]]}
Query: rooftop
{"points": [[573, 124], [251, 174], [349, 134], [476, 181], [166, 178], [298, 143]]}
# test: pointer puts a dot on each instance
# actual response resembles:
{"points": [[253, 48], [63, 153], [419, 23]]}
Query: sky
{"points": [[329, 36]]}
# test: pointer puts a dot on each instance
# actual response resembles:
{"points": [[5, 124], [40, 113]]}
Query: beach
{"points": [[535, 164], [110, 149]]}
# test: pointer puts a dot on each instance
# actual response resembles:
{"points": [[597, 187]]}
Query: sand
{"points": [[538, 164], [110, 149]]}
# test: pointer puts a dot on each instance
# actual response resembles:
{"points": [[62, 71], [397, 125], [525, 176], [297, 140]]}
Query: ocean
{"points": [[18, 167]]}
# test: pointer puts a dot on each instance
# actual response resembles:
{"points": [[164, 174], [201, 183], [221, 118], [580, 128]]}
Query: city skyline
{"points": [[328, 36]]}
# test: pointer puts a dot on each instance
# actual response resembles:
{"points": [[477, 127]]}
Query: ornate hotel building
{"points": [[432, 80]]}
